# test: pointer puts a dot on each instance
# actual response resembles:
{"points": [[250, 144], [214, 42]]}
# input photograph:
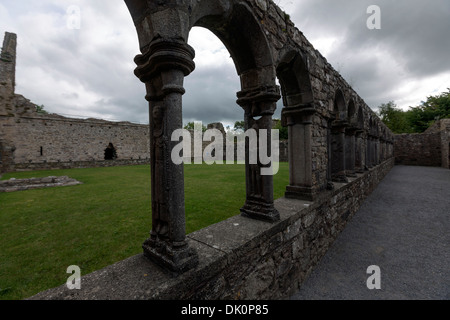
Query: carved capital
{"points": [[162, 56], [301, 114], [259, 101], [339, 125]]}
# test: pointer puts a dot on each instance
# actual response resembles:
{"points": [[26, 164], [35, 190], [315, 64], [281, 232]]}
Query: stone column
{"points": [[377, 151], [359, 156], [163, 68], [338, 152], [259, 106], [299, 121], [350, 154], [369, 157]]}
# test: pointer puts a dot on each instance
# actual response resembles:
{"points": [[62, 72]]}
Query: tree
{"points": [[395, 118], [239, 125], [191, 126], [416, 119], [433, 109]]}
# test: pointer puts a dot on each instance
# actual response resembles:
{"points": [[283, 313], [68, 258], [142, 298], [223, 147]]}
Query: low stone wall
{"points": [[240, 258], [78, 164], [418, 149]]}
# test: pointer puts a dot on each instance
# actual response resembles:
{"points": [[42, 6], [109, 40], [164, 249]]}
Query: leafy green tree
{"points": [[433, 109], [395, 118], [239, 125], [191, 126]]}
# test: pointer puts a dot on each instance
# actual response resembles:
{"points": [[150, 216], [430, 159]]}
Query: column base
{"points": [[260, 211], [300, 193], [174, 259]]}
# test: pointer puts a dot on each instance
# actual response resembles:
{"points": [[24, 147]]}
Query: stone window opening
{"points": [[41, 151]]}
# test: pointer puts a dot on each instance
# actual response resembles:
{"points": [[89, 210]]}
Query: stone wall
{"points": [[430, 148], [30, 140], [418, 150], [240, 258], [40, 140]]}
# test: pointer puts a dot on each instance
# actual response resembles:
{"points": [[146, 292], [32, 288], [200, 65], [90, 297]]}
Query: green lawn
{"points": [[102, 221]]}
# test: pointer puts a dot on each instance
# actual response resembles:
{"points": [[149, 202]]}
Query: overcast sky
{"points": [[88, 71]]}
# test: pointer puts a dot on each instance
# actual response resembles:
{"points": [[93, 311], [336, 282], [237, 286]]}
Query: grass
{"points": [[102, 221]]}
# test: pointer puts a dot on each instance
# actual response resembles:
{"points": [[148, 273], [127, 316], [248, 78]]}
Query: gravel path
{"points": [[404, 228]]}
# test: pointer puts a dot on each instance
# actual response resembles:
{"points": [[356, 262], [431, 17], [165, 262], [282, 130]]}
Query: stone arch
{"points": [[298, 111], [163, 29], [294, 76], [241, 33], [337, 150], [239, 30], [340, 106]]}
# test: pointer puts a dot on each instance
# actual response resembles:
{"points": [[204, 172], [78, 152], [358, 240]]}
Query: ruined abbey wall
{"points": [[31, 141], [430, 148]]}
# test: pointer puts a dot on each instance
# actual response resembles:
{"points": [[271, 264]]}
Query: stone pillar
{"points": [[350, 155], [359, 154], [259, 106], [369, 152], [377, 151], [163, 68], [338, 151], [299, 121]]}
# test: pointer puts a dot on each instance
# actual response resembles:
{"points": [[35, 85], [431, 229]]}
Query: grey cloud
{"points": [[99, 57], [412, 44]]}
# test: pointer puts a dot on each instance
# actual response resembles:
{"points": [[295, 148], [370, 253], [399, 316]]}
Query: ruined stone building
{"points": [[338, 149], [32, 140]]}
